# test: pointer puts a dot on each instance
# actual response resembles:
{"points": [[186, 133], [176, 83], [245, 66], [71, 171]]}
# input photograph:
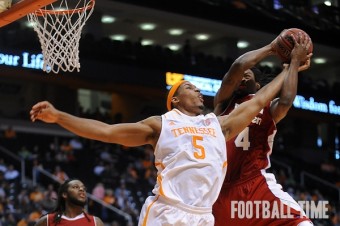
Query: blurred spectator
{"points": [[76, 144], [50, 193], [36, 166], [10, 136], [99, 191], [60, 174], [10, 206], [122, 194], [328, 167], [23, 221], [36, 196], [24, 201], [2, 177], [3, 167], [9, 220], [334, 219], [25, 153], [50, 197], [35, 215], [105, 154], [11, 175], [67, 151], [109, 197], [99, 168], [2, 192], [10, 133], [109, 176], [132, 176]]}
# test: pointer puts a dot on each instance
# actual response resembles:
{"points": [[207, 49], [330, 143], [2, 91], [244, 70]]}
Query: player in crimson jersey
{"points": [[70, 207], [248, 153]]}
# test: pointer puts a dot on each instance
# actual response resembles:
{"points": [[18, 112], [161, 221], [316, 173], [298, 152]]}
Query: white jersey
{"points": [[191, 159]]}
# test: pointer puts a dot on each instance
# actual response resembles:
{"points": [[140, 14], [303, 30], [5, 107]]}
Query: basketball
{"points": [[284, 43]]}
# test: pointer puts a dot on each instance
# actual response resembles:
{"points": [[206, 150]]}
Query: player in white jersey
{"points": [[189, 147]]}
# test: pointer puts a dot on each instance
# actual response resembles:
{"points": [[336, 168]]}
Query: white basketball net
{"points": [[59, 34]]}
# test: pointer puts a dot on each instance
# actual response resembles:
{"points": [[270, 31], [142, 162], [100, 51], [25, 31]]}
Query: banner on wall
{"points": [[24, 60]]}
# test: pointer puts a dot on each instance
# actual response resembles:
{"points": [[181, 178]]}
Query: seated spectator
{"points": [[99, 168], [60, 174], [76, 144], [99, 191], [122, 194], [11, 175], [36, 196], [2, 193], [35, 215], [9, 220], [23, 221], [25, 153], [10, 133], [24, 200], [50, 197], [109, 197], [10, 137], [328, 167], [3, 166], [67, 151]]}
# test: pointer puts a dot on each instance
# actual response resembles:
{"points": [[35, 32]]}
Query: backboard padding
{"points": [[21, 9]]}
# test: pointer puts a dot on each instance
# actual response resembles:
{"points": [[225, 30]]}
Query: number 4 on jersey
{"points": [[242, 140]]}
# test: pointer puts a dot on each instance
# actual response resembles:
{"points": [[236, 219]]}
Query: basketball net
{"points": [[59, 28]]}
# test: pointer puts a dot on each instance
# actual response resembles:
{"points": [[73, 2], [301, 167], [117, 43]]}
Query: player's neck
{"points": [[73, 212]]}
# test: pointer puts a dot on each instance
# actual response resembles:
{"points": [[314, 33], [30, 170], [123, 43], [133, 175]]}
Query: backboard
{"points": [[21, 9]]}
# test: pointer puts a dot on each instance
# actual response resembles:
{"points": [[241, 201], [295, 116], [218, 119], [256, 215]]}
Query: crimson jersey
{"points": [[247, 180], [249, 151], [80, 220]]}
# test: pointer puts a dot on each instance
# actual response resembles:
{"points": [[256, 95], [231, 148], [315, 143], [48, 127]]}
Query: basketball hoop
{"points": [[59, 27]]}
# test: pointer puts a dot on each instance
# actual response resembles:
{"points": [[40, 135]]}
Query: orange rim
{"points": [[43, 12]]}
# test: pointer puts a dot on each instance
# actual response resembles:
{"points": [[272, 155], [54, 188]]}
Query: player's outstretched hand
{"points": [[45, 112], [306, 65], [301, 47], [273, 44]]}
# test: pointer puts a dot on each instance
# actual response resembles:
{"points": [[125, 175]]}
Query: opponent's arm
{"points": [[280, 106], [235, 74], [128, 134]]}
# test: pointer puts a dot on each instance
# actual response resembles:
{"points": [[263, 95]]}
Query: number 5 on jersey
{"points": [[201, 153]]}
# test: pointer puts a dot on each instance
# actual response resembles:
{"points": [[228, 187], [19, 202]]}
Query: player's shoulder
{"points": [[152, 120], [174, 114], [99, 222], [42, 221]]}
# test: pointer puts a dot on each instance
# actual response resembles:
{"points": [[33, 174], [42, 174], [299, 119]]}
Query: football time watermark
{"points": [[277, 210]]}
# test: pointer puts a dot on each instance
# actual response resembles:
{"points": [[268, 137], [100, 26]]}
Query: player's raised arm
{"points": [[235, 74], [246, 112], [128, 134], [240, 118], [280, 106]]}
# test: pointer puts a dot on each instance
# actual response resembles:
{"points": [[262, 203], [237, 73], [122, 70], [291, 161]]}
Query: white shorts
{"points": [[157, 211]]}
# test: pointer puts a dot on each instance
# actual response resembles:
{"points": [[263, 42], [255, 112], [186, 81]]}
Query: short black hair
{"points": [[267, 78], [257, 74]]}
